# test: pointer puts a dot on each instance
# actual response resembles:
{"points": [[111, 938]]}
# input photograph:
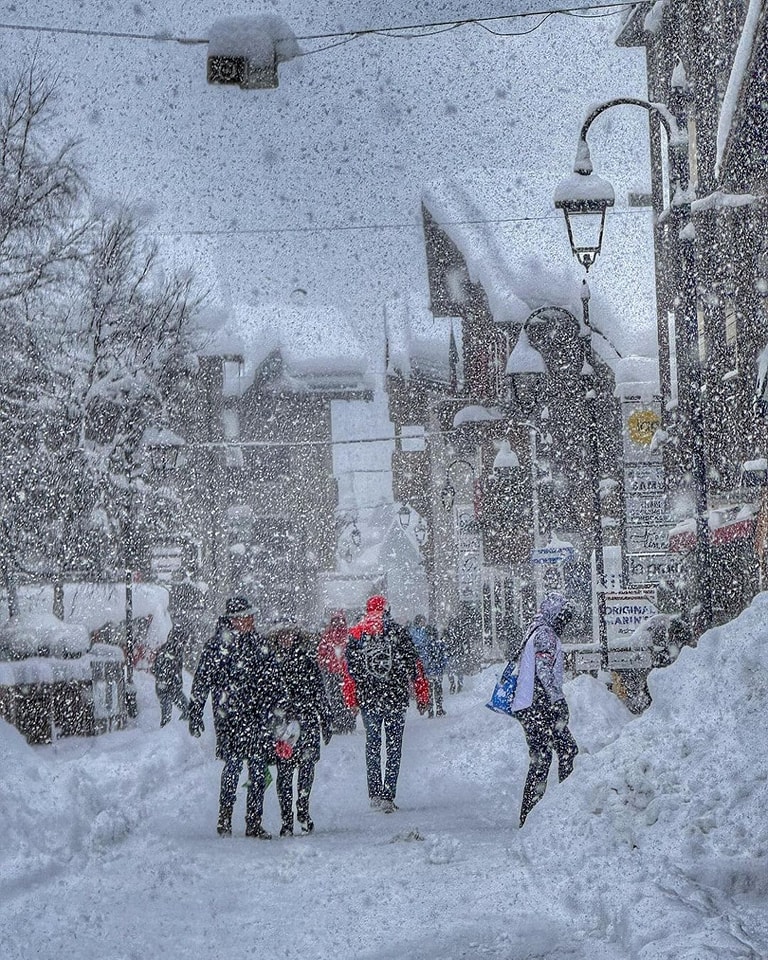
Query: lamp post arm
{"points": [[677, 138]]}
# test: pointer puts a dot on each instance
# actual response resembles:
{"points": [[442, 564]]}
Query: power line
{"points": [[393, 31], [343, 228]]}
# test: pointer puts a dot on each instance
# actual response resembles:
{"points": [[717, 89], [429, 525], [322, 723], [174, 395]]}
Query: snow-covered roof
{"points": [[43, 634], [315, 342], [418, 342]]}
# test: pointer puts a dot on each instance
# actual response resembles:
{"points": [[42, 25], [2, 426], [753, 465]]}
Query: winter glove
{"points": [[283, 749], [560, 715]]}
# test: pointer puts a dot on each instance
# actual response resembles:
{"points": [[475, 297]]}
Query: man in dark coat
{"points": [[169, 686], [382, 663], [307, 706], [243, 681]]}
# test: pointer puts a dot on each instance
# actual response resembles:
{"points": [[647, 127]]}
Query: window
{"points": [[731, 322]]}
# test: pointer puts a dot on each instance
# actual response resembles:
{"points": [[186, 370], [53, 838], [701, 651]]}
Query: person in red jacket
{"points": [[332, 660], [382, 662]]}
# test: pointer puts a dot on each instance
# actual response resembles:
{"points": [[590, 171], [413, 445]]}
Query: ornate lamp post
{"points": [[582, 190], [527, 372]]}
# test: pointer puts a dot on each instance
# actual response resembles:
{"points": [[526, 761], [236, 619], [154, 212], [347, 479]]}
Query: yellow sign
{"points": [[641, 425]]}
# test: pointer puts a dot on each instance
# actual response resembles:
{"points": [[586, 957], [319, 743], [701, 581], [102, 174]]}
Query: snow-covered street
{"points": [[656, 847]]}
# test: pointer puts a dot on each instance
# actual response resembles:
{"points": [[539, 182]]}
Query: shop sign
{"points": [[646, 509], [655, 567], [625, 610], [647, 538]]}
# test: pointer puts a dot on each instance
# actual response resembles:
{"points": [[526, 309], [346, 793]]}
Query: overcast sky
{"points": [[317, 185]]}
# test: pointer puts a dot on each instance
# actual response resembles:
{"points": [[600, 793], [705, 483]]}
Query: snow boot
{"points": [[224, 826], [287, 829], [256, 831]]}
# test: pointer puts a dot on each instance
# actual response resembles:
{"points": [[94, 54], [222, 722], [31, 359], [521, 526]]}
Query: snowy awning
{"points": [[477, 414]]}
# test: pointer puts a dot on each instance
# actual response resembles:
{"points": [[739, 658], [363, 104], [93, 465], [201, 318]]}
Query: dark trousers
{"points": [[546, 729], [230, 777], [304, 781], [436, 695], [393, 724], [168, 695]]}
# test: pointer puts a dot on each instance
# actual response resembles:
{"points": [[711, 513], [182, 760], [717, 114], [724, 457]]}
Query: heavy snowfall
{"points": [[282, 347]]}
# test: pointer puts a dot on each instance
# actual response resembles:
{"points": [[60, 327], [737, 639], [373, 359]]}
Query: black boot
{"points": [[287, 829], [256, 831], [224, 826]]}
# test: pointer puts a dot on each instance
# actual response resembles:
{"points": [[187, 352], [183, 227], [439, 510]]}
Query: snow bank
{"points": [[668, 822]]}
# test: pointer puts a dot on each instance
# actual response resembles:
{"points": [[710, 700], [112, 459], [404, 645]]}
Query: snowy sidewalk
{"points": [[112, 852]]}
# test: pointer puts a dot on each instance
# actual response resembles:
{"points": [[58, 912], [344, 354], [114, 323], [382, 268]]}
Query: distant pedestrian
{"points": [[167, 670], [540, 703], [382, 664], [455, 644], [243, 681], [307, 705], [332, 660], [431, 651]]}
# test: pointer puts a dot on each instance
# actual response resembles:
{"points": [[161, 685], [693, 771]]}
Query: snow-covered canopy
{"points": [[474, 413]]}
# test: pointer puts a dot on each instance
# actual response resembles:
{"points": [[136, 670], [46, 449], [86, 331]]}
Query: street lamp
{"points": [[404, 516], [448, 492], [421, 532], [527, 370], [578, 189], [584, 200]]}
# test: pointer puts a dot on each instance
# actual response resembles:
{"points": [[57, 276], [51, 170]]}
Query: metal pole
{"points": [[690, 376], [536, 511], [594, 475]]}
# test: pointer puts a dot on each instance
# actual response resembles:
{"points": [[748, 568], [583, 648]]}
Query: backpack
{"points": [[377, 654]]}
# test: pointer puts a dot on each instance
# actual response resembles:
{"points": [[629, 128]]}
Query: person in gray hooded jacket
{"points": [[540, 703]]}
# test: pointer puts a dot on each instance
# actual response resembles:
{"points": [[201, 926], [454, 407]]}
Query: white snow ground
{"points": [[656, 847]]}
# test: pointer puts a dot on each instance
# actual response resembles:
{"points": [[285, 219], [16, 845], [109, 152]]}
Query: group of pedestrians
{"points": [[276, 696]]}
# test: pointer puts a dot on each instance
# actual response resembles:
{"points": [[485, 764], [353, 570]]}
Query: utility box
{"points": [[246, 51]]}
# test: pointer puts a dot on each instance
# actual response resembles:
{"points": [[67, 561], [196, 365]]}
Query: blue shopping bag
{"points": [[503, 695]]}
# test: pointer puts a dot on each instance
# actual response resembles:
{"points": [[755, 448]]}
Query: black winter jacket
{"points": [[305, 700], [246, 693], [383, 667]]}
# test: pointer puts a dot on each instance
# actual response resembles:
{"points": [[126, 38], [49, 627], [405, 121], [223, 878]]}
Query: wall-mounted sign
{"points": [[646, 509], [647, 538], [655, 567], [625, 610], [642, 478], [641, 419]]}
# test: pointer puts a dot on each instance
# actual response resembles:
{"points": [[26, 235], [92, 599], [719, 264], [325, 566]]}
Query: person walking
{"points": [[540, 703], [434, 658], [306, 704], [169, 684], [243, 681], [382, 663], [454, 648], [332, 660], [431, 651]]}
